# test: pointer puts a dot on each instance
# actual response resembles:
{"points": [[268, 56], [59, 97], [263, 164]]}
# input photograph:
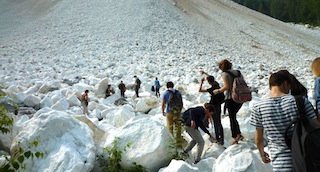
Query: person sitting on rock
{"points": [[109, 91]]}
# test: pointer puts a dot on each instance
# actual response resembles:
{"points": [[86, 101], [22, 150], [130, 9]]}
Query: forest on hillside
{"points": [[296, 11]]}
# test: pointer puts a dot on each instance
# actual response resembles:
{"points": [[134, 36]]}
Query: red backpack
{"points": [[240, 91]]}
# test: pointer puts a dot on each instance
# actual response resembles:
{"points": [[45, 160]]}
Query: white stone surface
{"points": [[61, 105], [65, 142], [117, 117], [149, 143], [240, 157], [32, 101], [146, 104], [101, 87]]}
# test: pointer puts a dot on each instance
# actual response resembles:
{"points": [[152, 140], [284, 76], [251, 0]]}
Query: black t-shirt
{"points": [[218, 98]]}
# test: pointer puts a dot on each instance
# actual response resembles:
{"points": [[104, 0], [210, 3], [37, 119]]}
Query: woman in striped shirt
{"points": [[273, 115]]}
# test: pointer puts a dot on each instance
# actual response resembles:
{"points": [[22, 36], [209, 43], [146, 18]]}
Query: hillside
{"points": [[53, 50]]}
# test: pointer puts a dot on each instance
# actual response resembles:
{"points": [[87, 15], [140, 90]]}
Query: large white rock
{"points": [[240, 157], [206, 164], [146, 104], [117, 117], [61, 105], [67, 143], [214, 150], [46, 102], [179, 166], [49, 86], [33, 89], [81, 87], [73, 100], [32, 101], [56, 96], [20, 97], [100, 88], [149, 143]]}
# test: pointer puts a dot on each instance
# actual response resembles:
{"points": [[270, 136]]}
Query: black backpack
{"points": [[175, 101], [304, 142]]}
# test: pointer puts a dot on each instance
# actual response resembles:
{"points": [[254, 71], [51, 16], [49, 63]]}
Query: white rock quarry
{"points": [[148, 141], [80, 44], [66, 143]]}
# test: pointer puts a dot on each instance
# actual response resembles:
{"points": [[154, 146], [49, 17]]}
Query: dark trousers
{"points": [[233, 109], [136, 89], [218, 129], [122, 93]]}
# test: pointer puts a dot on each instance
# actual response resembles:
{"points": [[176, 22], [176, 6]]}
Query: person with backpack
{"points": [[171, 107], [194, 118], [137, 85], [122, 88], [85, 102], [216, 100], [157, 87], [232, 97], [272, 116], [315, 67]]}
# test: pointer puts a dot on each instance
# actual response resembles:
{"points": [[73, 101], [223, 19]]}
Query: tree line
{"points": [[297, 11]]}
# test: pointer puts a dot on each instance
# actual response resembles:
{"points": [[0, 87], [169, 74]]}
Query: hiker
{"points": [[296, 88], [315, 67], [109, 91], [273, 115], [85, 101], [232, 106], [157, 87], [122, 88], [216, 100], [137, 85], [172, 105], [194, 118]]}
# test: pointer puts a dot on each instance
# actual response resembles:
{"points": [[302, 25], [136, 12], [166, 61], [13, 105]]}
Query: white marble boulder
{"points": [[101, 87], [179, 166], [118, 116], [146, 104], [149, 141], [240, 157], [65, 142], [32, 101], [61, 105]]}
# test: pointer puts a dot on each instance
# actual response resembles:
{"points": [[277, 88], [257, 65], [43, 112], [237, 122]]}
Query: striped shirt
{"points": [[274, 115]]}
